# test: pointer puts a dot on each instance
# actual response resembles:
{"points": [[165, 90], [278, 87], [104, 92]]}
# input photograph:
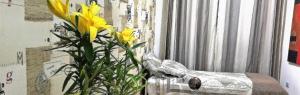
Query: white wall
{"points": [[290, 74], [18, 34]]}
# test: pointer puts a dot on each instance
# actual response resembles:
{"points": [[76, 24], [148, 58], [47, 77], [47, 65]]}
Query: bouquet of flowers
{"points": [[96, 70]]}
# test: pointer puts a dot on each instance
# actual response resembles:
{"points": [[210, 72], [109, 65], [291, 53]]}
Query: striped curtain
{"points": [[226, 35]]}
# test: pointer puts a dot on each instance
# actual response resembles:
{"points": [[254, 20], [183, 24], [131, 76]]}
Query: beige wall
{"points": [[16, 34]]}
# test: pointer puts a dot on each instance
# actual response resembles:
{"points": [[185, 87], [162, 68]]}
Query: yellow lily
{"points": [[126, 36], [89, 21], [59, 9]]}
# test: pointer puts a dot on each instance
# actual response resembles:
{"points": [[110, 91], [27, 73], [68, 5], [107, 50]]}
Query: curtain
{"points": [[226, 35], [278, 37]]}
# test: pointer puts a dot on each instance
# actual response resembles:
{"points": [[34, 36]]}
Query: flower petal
{"points": [[59, 9], [84, 9], [93, 33], [126, 36], [67, 7], [99, 23], [94, 8]]}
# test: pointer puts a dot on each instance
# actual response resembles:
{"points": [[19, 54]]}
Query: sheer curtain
{"points": [[226, 35]]}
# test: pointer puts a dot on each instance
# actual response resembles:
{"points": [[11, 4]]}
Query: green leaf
{"points": [[98, 47], [77, 33], [86, 81], [76, 20], [71, 88], [138, 45], [97, 70], [89, 52], [74, 66], [119, 73], [104, 36], [69, 76], [131, 56], [59, 69], [62, 37], [68, 27]]}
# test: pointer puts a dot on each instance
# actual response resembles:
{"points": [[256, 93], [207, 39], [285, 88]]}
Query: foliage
{"points": [[95, 68]]}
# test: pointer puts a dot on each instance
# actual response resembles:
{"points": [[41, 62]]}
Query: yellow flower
{"points": [[59, 9], [89, 21], [126, 36]]}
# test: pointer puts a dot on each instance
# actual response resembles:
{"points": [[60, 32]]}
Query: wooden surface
{"points": [[265, 85]]}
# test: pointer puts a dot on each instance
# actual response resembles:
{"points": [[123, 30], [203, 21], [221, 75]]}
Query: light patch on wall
{"points": [[37, 10], [108, 12]]}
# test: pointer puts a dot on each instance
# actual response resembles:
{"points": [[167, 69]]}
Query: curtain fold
{"points": [[278, 38], [226, 35]]}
